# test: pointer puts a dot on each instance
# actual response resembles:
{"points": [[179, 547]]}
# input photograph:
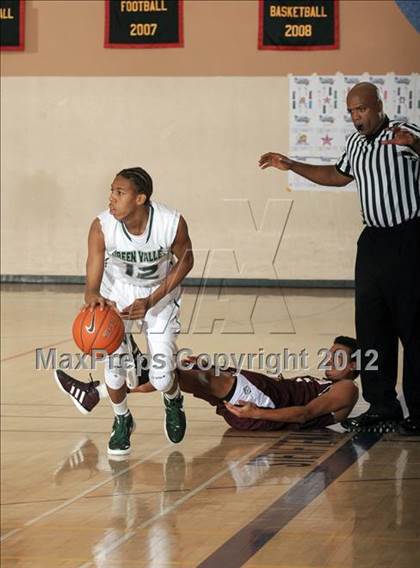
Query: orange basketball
{"points": [[98, 329]]}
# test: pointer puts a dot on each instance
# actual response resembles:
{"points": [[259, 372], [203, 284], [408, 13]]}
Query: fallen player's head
{"points": [[342, 360]]}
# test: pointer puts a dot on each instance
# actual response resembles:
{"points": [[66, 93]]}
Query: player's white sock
{"points": [[103, 391], [175, 394], [120, 408]]}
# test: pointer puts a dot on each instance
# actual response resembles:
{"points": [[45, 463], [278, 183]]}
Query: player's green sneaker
{"points": [[175, 422], [123, 427]]}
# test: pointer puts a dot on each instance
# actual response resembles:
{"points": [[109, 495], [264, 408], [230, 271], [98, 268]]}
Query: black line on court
{"points": [[13, 504], [107, 496], [251, 538], [45, 417], [37, 404], [94, 432]]}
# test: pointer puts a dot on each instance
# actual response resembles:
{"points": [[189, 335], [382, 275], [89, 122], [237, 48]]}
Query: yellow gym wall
{"points": [[197, 118]]}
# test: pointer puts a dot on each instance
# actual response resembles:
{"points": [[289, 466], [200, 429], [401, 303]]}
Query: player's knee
{"points": [[114, 378], [162, 380]]}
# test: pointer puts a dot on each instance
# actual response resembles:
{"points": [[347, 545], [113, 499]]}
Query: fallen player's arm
{"points": [[182, 249], [145, 387], [339, 400]]}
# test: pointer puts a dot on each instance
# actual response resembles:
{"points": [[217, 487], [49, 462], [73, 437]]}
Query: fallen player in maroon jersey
{"points": [[248, 400]]}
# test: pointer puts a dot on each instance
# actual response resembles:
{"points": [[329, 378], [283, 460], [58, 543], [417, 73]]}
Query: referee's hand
{"points": [[401, 137], [272, 159]]}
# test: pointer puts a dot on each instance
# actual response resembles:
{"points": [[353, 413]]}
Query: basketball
{"points": [[98, 330]]}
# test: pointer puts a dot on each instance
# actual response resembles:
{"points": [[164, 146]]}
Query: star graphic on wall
{"points": [[326, 140], [327, 100]]}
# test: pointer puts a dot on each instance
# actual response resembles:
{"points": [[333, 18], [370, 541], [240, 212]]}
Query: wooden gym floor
{"points": [[220, 499]]}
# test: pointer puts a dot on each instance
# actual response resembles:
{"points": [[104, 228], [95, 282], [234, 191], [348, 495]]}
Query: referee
{"points": [[382, 156]]}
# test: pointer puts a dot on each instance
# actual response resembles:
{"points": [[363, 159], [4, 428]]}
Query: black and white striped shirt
{"points": [[387, 176]]}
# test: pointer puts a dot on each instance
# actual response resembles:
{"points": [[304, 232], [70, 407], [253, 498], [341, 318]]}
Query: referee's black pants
{"points": [[388, 308]]}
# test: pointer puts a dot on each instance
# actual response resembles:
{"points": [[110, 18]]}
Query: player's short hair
{"points": [[140, 178], [351, 343]]}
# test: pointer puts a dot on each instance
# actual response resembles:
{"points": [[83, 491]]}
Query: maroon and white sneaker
{"points": [[85, 396]]}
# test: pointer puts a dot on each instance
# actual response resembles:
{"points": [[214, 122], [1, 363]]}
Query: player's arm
{"points": [[322, 175], [340, 399], [182, 249], [95, 266]]}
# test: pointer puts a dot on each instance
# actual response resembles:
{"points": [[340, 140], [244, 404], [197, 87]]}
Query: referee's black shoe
{"points": [[409, 427], [375, 421]]}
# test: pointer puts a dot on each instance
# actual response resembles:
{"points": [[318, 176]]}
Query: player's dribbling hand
{"points": [[136, 310], [401, 137], [96, 300], [243, 410], [275, 160]]}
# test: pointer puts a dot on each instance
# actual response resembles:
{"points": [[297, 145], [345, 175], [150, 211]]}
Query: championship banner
{"points": [[12, 25], [298, 24], [143, 23]]}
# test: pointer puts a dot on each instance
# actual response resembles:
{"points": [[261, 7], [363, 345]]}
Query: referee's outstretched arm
{"points": [[322, 175]]}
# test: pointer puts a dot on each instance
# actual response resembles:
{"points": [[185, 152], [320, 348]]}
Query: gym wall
{"points": [[197, 118]]}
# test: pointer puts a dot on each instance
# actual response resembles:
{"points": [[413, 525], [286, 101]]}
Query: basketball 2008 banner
{"points": [[298, 24], [143, 23], [12, 24]]}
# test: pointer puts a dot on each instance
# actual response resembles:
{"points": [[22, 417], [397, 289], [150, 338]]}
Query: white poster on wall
{"points": [[319, 123]]}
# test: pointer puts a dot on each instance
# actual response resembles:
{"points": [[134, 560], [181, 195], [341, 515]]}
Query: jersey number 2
{"points": [[143, 273]]}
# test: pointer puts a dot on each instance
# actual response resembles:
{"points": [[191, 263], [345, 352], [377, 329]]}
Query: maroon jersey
{"points": [[273, 393]]}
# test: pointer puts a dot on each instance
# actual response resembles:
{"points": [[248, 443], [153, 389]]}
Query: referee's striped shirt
{"points": [[387, 176]]}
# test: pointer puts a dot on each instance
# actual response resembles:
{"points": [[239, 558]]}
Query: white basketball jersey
{"points": [[142, 260]]}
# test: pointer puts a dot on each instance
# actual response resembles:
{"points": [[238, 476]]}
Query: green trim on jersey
{"points": [[127, 234], [152, 212]]}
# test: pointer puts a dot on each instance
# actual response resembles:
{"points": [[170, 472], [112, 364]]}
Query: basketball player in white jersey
{"points": [[131, 266]]}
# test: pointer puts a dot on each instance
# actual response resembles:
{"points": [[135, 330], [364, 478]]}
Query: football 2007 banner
{"points": [[143, 23], [12, 25]]}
